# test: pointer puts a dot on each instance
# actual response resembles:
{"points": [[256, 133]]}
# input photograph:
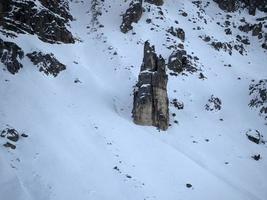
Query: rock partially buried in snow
{"points": [[177, 32], [10, 54], [9, 145], [255, 136], [179, 62], [227, 5], [11, 134], [258, 95], [151, 103], [214, 104], [46, 63]]}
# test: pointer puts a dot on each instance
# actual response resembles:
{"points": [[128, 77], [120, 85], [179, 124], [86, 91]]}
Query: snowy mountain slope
{"points": [[82, 142]]}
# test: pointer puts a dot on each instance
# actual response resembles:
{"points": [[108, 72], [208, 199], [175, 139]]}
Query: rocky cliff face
{"points": [[150, 106], [46, 63], [46, 18]]}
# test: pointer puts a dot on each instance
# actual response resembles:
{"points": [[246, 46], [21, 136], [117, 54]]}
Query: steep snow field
{"points": [[82, 142]]}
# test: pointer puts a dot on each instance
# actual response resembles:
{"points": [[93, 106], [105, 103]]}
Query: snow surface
{"points": [[82, 142]]}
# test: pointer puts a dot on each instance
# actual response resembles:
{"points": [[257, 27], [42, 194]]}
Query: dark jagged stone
{"points": [[47, 22], [227, 5], [256, 157], [9, 145], [228, 47], [228, 31], [254, 136], [155, 2], [251, 5], [258, 93], [245, 28], [177, 104], [177, 32], [46, 63], [11, 134], [24, 135], [256, 29], [151, 103], [60, 7], [180, 62], [188, 185], [214, 104], [10, 54], [132, 15]]}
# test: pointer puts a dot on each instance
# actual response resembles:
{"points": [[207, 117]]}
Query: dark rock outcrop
{"points": [[251, 5], [177, 32], [255, 29], [132, 15], [178, 105], [228, 47], [256, 157], [214, 104], [227, 5], [10, 54], [48, 21], [11, 134], [150, 106], [46, 63], [9, 145], [255, 136], [180, 62], [258, 93], [155, 2]]}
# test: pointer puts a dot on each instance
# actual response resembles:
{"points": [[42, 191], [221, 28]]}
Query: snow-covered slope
{"points": [[82, 143]]}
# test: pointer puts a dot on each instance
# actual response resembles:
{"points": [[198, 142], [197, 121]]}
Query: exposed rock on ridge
{"points": [[132, 14], [150, 106], [252, 5]]}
